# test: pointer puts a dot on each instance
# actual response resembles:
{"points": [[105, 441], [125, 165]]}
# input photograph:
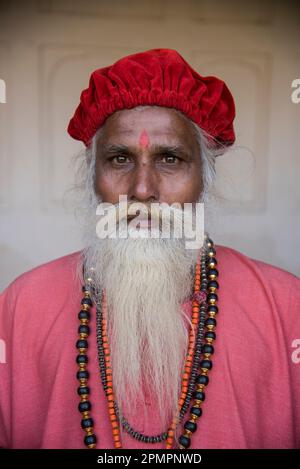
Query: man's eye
{"points": [[170, 159], [119, 159]]}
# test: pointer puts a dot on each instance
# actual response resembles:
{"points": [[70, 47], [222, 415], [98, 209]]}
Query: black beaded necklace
{"points": [[201, 365]]}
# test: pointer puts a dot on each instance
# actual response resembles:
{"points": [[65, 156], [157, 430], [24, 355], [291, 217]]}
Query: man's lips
{"points": [[139, 217], [143, 220]]}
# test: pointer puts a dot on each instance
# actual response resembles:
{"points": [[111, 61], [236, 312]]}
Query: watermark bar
{"points": [[135, 458]]}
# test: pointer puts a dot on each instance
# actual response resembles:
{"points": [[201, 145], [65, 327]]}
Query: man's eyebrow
{"points": [[115, 149], [175, 150]]}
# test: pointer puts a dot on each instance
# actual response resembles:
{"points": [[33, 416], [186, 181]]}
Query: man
{"points": [[148, 306]]}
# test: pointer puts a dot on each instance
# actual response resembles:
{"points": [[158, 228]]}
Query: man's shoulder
{"points": [[40, 295], [241, 268], [59, 271], [238, 259], [258, 293]]}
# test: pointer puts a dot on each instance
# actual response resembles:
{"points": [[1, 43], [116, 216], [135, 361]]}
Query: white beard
{"points": [[146, 281]]}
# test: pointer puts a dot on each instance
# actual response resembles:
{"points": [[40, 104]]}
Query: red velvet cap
{"points": [[158, 77]]}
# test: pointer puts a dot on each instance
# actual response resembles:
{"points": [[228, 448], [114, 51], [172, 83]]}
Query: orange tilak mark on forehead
{"points": [[144, 139]]}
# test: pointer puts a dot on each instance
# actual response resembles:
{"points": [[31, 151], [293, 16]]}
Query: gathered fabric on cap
{"points": [[159, 77]]}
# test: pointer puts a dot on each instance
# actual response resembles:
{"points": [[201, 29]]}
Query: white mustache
{"points": [[167, 221], [154, 212]]}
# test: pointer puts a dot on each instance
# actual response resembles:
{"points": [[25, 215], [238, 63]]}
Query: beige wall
{"points": [[48, 49]]}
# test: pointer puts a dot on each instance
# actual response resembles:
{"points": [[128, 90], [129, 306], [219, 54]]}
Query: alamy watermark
{"points": [[2, 351], [295, 96], [2, 91], [155, 220], [296, 353]]}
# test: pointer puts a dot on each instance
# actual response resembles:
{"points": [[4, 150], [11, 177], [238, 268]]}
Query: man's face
{"points": [[149, 154]]}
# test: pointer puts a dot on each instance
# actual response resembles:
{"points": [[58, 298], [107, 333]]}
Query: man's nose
{"points": [[143, 184]]}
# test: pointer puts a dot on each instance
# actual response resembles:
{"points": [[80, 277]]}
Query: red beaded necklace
{"points": [[197, 366]]}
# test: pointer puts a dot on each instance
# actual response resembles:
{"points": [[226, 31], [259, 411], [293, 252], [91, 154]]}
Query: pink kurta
{"points": [[252, 400]]}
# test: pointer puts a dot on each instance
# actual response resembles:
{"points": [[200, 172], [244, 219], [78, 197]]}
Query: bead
{"points": [[212, 262], [82, 390], [84, 406], [202, 379], [207, 349], [213, 273], [206, 364], [185, 441], [83, 329], [209, 242], [197, 411], [199, 396], [82, 359], [210, 322], [87, 301], [89, 280], [213, 285], [212, 309], [86, 423], [82, 344], [212, 298], [190, 426], [82, 374], [90, 440], [210, 335], [84, 314]]}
